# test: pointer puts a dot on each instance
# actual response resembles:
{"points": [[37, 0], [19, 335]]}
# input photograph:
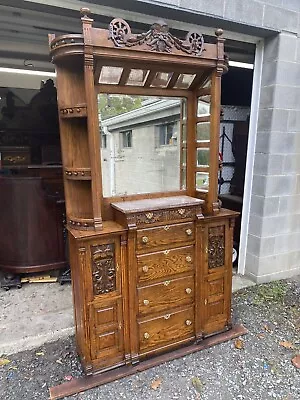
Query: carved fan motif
{"points": [[195, 41], [119, 30], [158, 38]]}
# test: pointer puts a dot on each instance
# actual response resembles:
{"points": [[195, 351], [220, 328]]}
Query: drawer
{"points": [[165, 295], [166, 330], [162, 264], [165, 235]]}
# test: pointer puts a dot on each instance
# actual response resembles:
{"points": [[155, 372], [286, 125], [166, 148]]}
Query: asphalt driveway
{"points": [[256, 366]]}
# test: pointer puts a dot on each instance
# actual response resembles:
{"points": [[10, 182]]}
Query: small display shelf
{"points": [[80, 223], [77, 111], [78, 173]]}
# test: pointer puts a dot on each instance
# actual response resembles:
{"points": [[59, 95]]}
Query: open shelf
{"points": [[75, 111], [81, 174]]}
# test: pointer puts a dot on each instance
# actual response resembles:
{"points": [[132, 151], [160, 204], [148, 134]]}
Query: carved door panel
{"points": [[216, 285], [105, 315], [106, 329], [216, 245], [105, 268], [216, 303]]}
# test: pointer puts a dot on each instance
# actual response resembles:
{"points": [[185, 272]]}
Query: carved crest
{"points": [[158, 38]]}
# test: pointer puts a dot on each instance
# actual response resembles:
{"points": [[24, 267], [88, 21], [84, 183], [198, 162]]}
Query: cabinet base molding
{"points": [[88, 382]]}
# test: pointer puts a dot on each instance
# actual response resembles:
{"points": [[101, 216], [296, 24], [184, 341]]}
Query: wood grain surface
{"points": [[165, 295], [166, 329], [162, 264]]}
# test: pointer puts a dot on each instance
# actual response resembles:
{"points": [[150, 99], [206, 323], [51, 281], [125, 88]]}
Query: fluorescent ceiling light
{"points": [[27, 72], [240, 65]]}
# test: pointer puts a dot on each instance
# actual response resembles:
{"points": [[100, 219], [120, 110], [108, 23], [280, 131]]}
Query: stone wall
{"points": [[274, 230], [275, 14]]}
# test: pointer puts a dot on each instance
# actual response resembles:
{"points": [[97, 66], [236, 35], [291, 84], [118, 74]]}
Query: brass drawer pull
{"points": [[188, 290], [146, 302], [145, 268], [146, 335], [188, 259], [167, 283], [145, 239], [167, 316], [166, 227], [188, 232], [188, 322]]}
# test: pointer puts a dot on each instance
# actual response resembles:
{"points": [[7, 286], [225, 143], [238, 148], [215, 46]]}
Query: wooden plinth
{"points": [[88, 382]]}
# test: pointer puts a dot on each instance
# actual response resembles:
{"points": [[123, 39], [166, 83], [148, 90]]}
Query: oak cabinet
{"points": [[136, 298], [150, 245]]}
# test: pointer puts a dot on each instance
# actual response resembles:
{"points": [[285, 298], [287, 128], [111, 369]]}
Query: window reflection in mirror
{"points": [[141, 144]]}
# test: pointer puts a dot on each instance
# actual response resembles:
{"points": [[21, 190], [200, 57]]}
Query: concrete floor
{"points": [[43, 312]]}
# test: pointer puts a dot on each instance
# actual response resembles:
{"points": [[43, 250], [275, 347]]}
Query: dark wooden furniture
{"points": [[150, 272], [14, 155], [31, 184], [32, 219]]}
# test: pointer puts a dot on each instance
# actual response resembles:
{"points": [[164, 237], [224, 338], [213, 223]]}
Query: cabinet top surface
{"points": [[156, 204], [109, 227]]}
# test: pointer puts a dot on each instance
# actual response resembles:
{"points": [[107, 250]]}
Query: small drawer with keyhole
{"points": [[165, 263], [165, 235], [166, 329]]}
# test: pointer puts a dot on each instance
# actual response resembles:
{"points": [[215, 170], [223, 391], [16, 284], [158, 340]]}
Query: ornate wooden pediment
{"points": [[158, 38]]}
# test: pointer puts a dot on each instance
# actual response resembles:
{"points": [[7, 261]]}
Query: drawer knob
{"points": [[167, 316], [188, 290], [166, 227], [188, 232], [146, 302], [188, 259], [145, 268], [166, 252], [167, 283], [188, 322], [145, 239], [146, 335]]}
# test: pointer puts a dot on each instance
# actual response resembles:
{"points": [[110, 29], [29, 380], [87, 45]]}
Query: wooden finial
{"points": [[219, 32], [85, 12]]}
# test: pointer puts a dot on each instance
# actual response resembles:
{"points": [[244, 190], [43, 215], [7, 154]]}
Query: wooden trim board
{"points": [[88, 382]]}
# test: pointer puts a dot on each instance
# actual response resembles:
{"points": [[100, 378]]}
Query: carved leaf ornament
{"points": [[216, 247], [103, 269], [158, 38]]}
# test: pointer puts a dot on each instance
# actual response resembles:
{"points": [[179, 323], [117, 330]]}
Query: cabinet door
{"points": [[217, 277], [105, 315], [106, 330]]}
